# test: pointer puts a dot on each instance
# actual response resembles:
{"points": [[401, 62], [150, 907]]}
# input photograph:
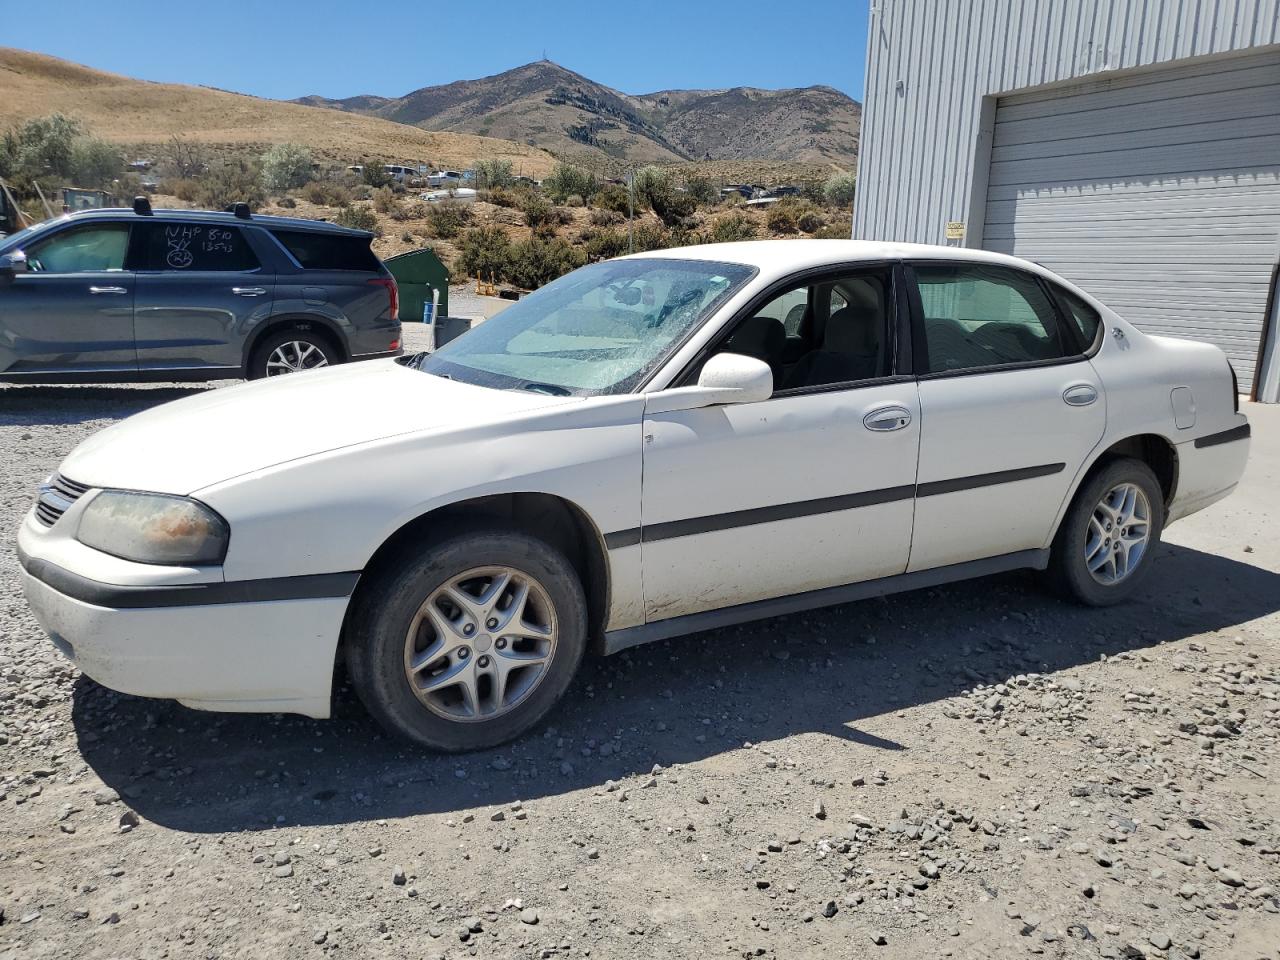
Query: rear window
{"points": [[328, 251]]}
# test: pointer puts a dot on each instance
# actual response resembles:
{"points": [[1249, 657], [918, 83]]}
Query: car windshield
{"points": [[598, 330]]}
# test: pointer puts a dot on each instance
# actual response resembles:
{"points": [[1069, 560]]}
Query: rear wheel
{"points": [[292, 351], [469, 643], [1103, 550]]}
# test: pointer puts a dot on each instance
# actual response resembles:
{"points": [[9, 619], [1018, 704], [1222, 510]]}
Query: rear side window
{"points": [[980, 316], [328, 251], [1086, 319], [193, 248]]}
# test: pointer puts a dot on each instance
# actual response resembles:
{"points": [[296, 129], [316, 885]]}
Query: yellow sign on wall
{"points": [[955, 230]]}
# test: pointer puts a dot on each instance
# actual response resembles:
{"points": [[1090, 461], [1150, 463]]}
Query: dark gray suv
{"points": [[119, 295]]}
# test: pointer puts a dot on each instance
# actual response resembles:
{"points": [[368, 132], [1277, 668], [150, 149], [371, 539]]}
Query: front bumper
{"points": [[260, 656]]}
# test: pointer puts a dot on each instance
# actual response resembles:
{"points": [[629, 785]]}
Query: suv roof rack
{"points": [[240, 210], [142, 206]]}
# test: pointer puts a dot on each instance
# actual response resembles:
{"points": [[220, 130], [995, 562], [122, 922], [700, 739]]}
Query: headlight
{"points": [[154, 528]]}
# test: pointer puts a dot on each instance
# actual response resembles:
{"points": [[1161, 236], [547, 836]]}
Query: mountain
{"points": [[546, 105], [141, 114]]}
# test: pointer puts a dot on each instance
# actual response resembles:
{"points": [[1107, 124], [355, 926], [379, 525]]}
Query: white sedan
{"points": [[646, 447]]}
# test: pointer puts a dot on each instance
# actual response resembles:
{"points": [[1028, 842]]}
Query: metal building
{"points": [[1131, 145]]}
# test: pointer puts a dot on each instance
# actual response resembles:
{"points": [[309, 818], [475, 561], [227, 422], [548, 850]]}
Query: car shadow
{"points": [[39, 404], [677, 701]]}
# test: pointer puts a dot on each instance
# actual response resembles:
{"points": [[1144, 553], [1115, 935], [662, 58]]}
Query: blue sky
{"points": [[288, 48]]}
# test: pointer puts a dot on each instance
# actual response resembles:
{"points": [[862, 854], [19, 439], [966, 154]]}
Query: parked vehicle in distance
{"points": [[444, 178], [460, 194], [124, 295], [646, 447]]}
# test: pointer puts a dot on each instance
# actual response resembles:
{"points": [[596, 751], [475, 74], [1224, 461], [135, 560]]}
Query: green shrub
{"points": [[384, 201], [375, 173], [612, 197], [446, 218], [409, 211], [605, 244], [649, 236], [493, 173], [407, 236], [484, 252], [228, 182], [537, 261], [358, 218], [835, 231], [732, 228], [286, 166], [702, 191], [656, 190], [288, 203], [567, 180], [841, 190], [606, 218], [184, 188], [541, 215], [500, 197], [327, 194], [780, 217]]}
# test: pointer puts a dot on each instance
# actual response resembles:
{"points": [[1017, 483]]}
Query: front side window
{"points": [[93, 248], [817, 334], [194, 248], [981, 316], [598, 330]]}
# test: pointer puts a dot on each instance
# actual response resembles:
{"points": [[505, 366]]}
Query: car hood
{"points": [[188, 444]]}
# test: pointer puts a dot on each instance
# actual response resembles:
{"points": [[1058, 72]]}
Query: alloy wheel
{"points": [[480, 644], [1119, 533], [295, 356]]}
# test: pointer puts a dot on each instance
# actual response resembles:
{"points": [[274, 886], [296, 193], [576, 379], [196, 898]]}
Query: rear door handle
{"points": [[249, 291], [108, 289], [1080, 394], [884, 419]]}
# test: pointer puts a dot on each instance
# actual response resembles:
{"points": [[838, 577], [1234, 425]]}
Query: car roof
{"points": [[213, 216], [781, 257]]}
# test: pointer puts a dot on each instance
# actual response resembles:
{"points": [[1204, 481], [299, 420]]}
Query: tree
{"points": [[655, 188], [286, 166], [43, 146], [186, 158], [841, 189], [375, 173], [94, 163], [492, 173]]}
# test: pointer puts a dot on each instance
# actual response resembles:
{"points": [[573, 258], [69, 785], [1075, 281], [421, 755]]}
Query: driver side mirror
{"points": [[725, 378], [12, 264]]}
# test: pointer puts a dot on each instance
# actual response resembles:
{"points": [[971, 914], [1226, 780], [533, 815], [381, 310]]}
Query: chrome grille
{"points": [[57, 494]]}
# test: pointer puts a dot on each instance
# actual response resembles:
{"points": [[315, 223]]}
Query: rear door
{"points": [[201, 287], [1010, 409], [72, 313]]}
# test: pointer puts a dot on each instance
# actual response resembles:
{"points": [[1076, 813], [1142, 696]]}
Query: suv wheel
{"points": [[1104, 548], [470, 642], [292, 351]]}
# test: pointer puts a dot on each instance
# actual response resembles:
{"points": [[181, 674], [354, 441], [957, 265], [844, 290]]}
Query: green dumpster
{"points": [[420, 275]]}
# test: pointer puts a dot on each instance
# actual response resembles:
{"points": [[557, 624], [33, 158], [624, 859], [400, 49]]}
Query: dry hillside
{"points": [[139, 113], [546, 104]]}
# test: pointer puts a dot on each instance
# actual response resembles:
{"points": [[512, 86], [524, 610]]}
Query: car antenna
{"points": [[241, 210], [142, 206]]}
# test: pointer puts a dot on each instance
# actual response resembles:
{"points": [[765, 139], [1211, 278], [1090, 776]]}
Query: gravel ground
{"points": [[976, 771]]}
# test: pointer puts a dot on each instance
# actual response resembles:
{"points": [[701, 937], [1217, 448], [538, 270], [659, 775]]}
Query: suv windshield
{"points": [[598, 330]]}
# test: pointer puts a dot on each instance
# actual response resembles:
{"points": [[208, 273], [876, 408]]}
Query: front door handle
{"points": [[1080, 394], [884, 419], [249, 291], [115, 290]]}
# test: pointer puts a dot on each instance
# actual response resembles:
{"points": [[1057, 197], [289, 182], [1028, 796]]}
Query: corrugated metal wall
{"points": [[931, 63]]}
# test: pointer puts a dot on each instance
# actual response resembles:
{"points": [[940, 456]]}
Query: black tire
{"points": [[384, 609], [1067, 566], [315, 339]]}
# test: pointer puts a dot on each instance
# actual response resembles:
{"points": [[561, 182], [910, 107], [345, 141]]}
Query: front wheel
{"points": [[470, 642], [1103, 550]]}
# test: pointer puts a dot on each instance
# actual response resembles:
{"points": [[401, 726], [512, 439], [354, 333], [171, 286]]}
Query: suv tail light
{"points": [[393, 291]]}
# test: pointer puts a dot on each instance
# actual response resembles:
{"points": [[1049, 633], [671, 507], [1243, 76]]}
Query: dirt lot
{"points": [[978, 771]]}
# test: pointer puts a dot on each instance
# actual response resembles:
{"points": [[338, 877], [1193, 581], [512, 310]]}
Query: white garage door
{"points": [[1159, 194]]}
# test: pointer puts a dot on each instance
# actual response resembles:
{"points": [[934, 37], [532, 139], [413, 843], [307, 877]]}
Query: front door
{"points": [[1011, 409], [811, 488], [201, 288], [72, 312]]}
